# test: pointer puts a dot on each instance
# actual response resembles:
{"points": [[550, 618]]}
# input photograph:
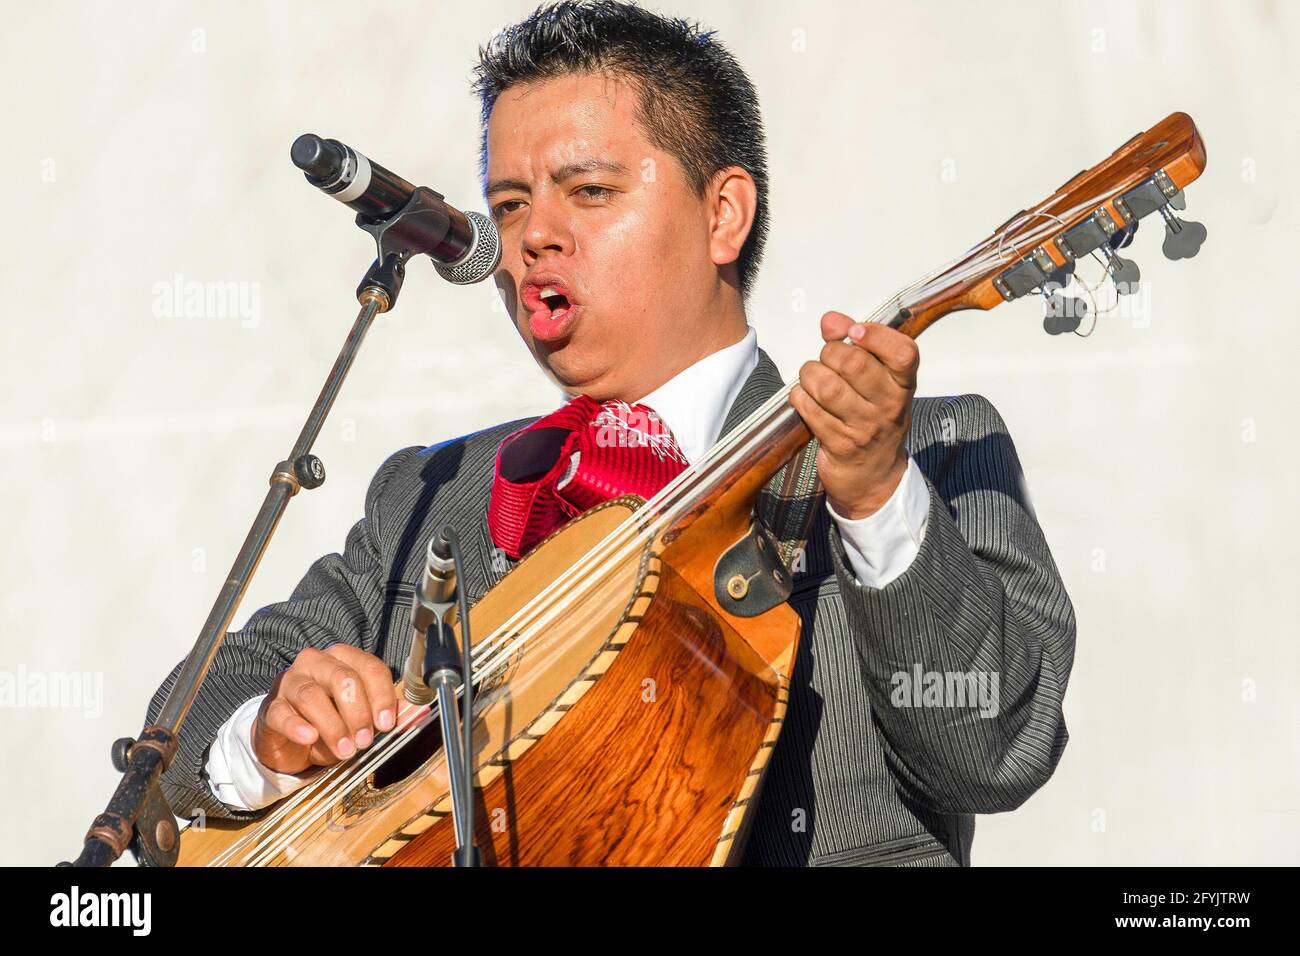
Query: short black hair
{"points": [[696, 102]]}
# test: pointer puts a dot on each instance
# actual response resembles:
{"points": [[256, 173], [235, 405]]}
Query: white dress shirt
{"points": [[694, 405]]}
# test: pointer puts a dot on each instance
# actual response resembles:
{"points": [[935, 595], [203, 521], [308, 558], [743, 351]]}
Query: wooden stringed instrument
{"points": [[571, 765]]}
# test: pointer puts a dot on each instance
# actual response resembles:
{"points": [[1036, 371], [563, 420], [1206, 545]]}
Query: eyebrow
{"points": [[567, 171]]}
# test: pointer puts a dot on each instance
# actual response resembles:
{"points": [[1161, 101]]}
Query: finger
{"points": [[865, 373], [377, 680], [316, 705], [350, 699], [895, 351], [279, 718], [835, 326], [322, 756], [836, 396], [828, 429]]}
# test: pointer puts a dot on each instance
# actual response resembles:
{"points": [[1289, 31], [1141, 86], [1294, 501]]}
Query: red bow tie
{"points": [[573, 459]]}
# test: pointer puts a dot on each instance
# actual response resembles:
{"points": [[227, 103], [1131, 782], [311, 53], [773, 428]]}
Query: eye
{"points": [[503, 209], [596, 192]]}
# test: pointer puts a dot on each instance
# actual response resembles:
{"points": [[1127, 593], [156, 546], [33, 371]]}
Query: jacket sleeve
{"points": [[339, 600], [981, 606]]}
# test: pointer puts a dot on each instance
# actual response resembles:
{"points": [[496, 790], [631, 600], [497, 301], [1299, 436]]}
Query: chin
{"points": [[576, 377], [561, 360]]}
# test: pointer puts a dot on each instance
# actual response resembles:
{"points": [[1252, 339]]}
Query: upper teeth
{"points": [[548, 291]]}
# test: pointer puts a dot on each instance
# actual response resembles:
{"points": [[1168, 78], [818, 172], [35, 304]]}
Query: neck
{"points": [[720, 323]]}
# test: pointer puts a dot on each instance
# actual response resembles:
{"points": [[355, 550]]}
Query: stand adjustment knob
{"points": [[310, 471], [122, 752]]}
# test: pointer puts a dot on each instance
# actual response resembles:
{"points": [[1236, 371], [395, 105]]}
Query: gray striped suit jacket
{"points": [[856, 779]]}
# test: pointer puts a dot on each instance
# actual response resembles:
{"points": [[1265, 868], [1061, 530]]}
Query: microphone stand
{"points": [[436, 669], [138, 816]]}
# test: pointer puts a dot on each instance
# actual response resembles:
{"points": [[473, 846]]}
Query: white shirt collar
{"points": [[694, 402]]}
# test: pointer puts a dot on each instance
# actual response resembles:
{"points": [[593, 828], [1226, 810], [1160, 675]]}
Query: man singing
{"points": [[624, 164]]}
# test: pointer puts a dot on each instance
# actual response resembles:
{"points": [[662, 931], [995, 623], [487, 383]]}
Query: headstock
{"points": [[1096, 213]]}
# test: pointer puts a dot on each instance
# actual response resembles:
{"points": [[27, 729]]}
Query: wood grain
{"points": [[648, 764]]}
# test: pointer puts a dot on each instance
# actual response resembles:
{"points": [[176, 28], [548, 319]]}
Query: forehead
{"points": [[553, 121]]}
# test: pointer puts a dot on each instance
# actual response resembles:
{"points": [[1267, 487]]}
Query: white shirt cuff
{"points": [[236, 776], [883, 545]]}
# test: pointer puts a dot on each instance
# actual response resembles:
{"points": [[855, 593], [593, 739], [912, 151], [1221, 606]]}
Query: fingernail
{"points": [[857, 330], [363, 739], [386, 719], [346, 748]]}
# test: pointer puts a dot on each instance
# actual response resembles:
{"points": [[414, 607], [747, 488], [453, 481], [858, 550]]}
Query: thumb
{"points": [[282, 740], [835, 326]]}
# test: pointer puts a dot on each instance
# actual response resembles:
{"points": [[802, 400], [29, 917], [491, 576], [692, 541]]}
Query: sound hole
{"points": [[411, 757]]}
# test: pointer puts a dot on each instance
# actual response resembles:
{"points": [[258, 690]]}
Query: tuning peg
{"points": [[1059, 277], [1124, 237], [1178, 201], [1123, 272], [1183, 238], [1064, 312]]}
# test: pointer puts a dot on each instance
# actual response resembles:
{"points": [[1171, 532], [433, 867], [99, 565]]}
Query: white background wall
{"points": [[146, 141]]}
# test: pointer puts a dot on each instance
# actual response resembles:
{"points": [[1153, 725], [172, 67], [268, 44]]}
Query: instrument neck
{"points": [[728, 479]]}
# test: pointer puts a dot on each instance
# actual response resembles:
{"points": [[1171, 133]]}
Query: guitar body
{"points": [[631, 730]]}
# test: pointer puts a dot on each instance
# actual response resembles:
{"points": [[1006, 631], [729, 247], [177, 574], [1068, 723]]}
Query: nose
{"points": [[546, 230]]}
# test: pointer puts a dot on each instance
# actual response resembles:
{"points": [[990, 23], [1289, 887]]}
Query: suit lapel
{"points": [[788, 503], [761, 385]]}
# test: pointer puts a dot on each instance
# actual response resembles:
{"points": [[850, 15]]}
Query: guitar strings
{"points": [[633, 531], [880, 314], [486, 667], [287, 806], [375, 756], [755, 441], [976, 265]]}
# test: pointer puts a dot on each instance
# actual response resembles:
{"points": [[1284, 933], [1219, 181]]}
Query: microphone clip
{"points": [[426, 225], [420, 227]]}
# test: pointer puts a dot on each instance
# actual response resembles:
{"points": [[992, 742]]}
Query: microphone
{"points": [[464, 246], [432, 600]]}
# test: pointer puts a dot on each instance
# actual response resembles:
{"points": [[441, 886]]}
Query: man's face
{"points": [[605, 262]]}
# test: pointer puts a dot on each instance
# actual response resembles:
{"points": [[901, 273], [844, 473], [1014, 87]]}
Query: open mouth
{"points": [[551, 311], [554, 300]]}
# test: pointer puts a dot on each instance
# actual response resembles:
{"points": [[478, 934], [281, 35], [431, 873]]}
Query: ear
{"points": [[733, 199]]}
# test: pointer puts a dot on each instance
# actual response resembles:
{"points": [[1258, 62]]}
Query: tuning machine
{"points": [[1100, 235], [1183, 237], [1124, 273], [1065, 313]]}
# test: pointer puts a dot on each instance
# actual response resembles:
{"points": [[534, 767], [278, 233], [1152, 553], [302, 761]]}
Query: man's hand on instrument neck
{"points": [[857, 402]]}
